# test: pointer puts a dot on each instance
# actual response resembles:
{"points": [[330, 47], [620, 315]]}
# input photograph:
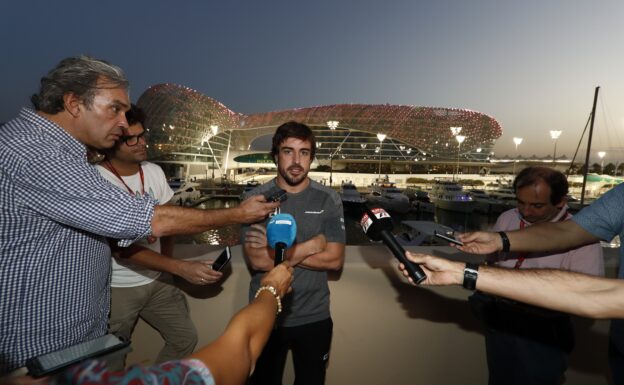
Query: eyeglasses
{"points": [[133, 140]]}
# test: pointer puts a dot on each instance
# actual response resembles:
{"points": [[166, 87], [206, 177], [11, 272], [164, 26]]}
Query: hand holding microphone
{"points": [[377, 225], [281, 234]]}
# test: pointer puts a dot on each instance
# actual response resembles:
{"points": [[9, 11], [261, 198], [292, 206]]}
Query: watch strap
{"points": [[471, 273]]}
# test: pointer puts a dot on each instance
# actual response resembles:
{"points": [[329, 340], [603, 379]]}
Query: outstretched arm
{"points": [[171, 220], [565, 291], [232, 357], [548, 236]]}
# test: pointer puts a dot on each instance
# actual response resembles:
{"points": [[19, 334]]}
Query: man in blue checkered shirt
{"points": [[56, 212]]}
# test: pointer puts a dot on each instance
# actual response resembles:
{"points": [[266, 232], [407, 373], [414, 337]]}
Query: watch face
{"points": [[471, 273]]}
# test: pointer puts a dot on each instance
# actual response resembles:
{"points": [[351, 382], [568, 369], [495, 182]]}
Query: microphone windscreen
{"points": [[373, 225], [281, 228]]}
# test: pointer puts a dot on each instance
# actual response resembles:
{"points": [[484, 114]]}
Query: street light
{"points": [[381, 138], [214, 129], [601, 155], [555, 134], [332, 124], [517, 142], [460, 140]]}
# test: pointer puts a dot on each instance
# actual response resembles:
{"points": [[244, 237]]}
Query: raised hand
{"points": [[280, 277], [480, 242], [198, 272], [439, 271], [255, 208]]}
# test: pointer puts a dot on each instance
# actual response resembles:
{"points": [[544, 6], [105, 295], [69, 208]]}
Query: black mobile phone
{"points": [[53, 362], [449, 238], [223, 259], [278, 196]]}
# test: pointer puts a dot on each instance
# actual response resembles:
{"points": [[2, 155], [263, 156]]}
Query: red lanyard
{"points": [[521, 256], [112, 169]]}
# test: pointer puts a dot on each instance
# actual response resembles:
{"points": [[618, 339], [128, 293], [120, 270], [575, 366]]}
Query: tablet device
{"points": [[56, 361]]}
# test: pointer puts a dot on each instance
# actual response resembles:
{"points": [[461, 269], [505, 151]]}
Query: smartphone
{"points": [[449, 238], [223, 259], [55, 361], [278, 196]]}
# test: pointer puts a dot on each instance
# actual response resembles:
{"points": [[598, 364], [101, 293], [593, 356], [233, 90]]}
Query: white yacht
{"points": [[420, 201], [449, 195], [187, 195], [389, 197]]}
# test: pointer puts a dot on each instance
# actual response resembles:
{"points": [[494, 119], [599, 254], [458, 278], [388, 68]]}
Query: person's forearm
{"points": [[233, 355], [559, 290], [260, 258], [171, 220], [166, 246], [331, 258], [550, 236], [150, 259], [315, 249]]}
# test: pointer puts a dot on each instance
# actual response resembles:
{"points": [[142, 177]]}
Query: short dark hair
{"points": [[293, 129], [553, 178], [135, 115], [78, 75]]}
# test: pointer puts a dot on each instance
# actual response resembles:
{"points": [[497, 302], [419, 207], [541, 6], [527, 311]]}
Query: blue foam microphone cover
{"points": [[281, 228]]}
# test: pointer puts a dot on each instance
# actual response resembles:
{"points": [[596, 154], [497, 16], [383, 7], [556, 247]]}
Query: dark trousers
{"points": [[525, 345], [616, 351], [310, 346], [520, 360]]}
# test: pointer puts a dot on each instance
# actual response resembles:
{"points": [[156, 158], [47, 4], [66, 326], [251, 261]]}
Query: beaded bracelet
{"points": [[274, 292]]}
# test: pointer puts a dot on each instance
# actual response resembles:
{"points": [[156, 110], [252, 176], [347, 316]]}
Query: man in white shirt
{"points": [[139, 289], [526, 345]]}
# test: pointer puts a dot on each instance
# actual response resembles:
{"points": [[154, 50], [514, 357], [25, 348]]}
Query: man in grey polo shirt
{"points": [[305, 326]]}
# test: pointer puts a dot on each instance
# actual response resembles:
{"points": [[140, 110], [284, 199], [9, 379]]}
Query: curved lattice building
{"points": [[185, 124]]}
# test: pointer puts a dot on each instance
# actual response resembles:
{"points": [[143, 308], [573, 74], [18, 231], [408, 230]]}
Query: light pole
{"points": [[555, 134], [381, 138], [601, 155], [214, 129], [332, 124], [460, 140], [517, 142]]}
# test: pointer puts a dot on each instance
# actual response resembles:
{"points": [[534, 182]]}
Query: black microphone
{"points": [[377, 225], [281, 233]]}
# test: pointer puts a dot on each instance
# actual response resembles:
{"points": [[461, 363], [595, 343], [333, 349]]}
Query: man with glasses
{"points": [[138, 287], [57, 212]]}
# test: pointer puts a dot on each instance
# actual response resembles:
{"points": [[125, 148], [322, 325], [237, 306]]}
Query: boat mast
{"points": [[589, 141]]}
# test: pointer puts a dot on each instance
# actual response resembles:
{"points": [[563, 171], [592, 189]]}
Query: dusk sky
{"points": [[533, 64]]}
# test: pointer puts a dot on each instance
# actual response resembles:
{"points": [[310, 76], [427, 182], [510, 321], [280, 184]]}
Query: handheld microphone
{"points": [[281, 233], [377, 224]]}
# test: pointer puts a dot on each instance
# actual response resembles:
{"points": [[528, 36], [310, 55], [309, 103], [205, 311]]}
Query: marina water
{"points": [[230, 235]]}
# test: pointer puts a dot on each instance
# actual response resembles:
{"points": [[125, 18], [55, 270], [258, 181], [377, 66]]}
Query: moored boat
{"points": [[386, 195], [449, 195]]}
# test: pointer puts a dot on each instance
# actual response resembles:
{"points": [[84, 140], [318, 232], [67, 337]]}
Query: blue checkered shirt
{"points": [[56, 213]]}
